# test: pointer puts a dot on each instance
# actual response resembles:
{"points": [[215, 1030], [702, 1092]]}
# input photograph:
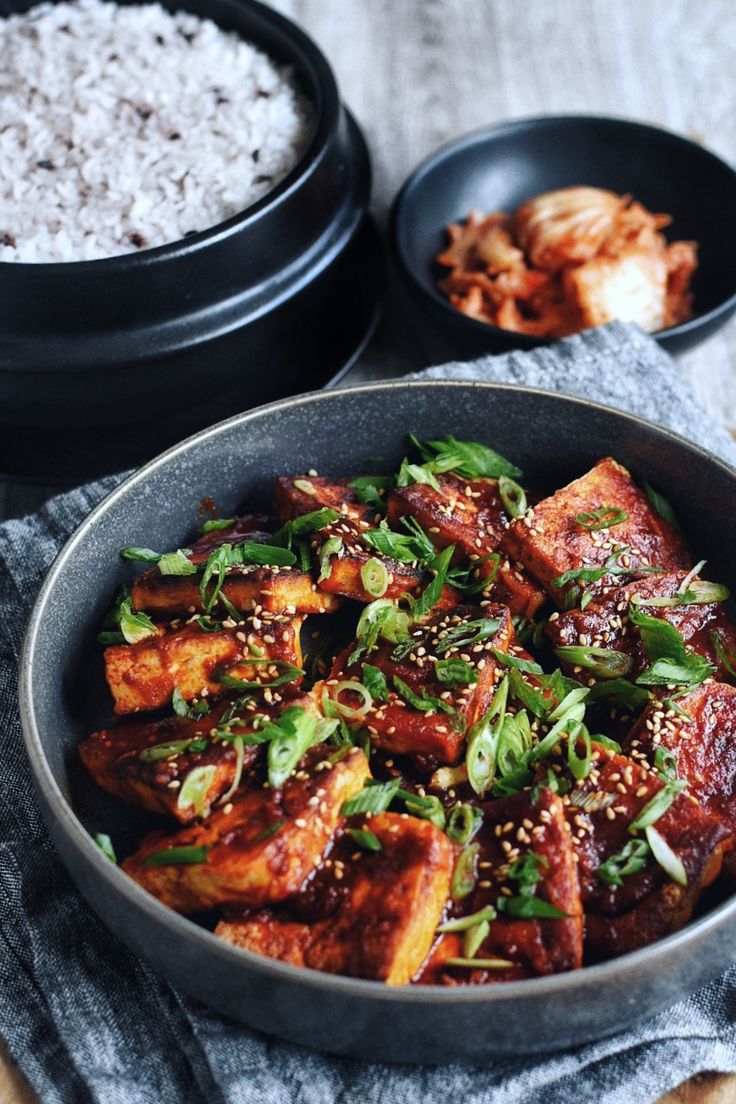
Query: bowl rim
{"points": [[325, 118], [531, 123], [181, 927]]}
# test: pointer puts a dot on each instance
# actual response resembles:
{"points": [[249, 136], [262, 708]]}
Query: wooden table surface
{"points": [[417, 73]]}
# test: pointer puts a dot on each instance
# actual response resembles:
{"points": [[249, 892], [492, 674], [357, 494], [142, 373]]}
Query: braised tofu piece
{"points": [[149, 762], [521, 863], [342, 571], [144, 675], [259, 848], [277, 589], [299, 495], [437, 729], [549, 541], [647, 904], [700, 746], [604, 622], [471, 515], [341, 563], [366, 913]]}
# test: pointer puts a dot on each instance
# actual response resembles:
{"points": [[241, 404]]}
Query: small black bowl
{"points": [[63, 698], [103, 362], [500, 167]]}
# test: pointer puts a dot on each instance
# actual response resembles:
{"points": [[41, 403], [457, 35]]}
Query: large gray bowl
{"points": [[63, 697]]}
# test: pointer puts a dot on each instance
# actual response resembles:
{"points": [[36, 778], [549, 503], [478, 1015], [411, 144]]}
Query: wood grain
{"points": [[420, 72]]}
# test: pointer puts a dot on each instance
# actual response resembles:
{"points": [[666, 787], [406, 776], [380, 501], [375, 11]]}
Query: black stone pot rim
{"points": [[326, 112], [190, 331], [530, 122], [562, 985]]}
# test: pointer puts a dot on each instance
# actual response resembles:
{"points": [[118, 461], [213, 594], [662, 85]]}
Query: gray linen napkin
{"points": [[89, 1022]]}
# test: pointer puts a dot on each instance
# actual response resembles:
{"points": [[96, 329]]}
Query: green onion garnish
{"points": [[177, 563], [603, 662], [480, 963], [374, 798], [603, 518], [629, 860], [369, 841], [670, 862], [193, 793], [463, 822], [661, 505], [331, 547], [350, 712], [468, 459], [483, 737], [105, 845], [177, 856], [462, 923], [513, 496], [375, 683], [374, 577], [658, 805], [464, 875]]}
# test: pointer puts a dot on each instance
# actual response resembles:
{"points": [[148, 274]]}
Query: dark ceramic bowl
{"points": [[103, 363], [64, 697], [500, 167]]}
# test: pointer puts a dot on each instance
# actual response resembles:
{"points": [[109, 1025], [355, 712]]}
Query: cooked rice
{"points": [[123, 128]]}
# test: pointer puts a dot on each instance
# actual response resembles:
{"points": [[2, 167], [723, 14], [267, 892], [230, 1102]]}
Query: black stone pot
{"points": [[499, 167], [64, 697], [104, 362]]}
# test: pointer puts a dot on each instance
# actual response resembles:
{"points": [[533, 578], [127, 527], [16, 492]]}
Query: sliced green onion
{"points": [[158, 752], [455, 672], [215, 524], [183, 708], [603, 662], [468, 459], [629, 860], [526, 907], [464, 875], [372, 799], [699, 593], [177, 563], [480, 963], [670, 862], [603, 518], [415, 473], [430, 596], [579, 767], [658, 806], [444, 778], [474, 938], [727, 659], [513, 496], [290, 672], [527, 666], [135, 626], [480, 758], [375, 683], [561, 727], [177, 856], [463, 822], [270, 832], [661, 505], [193, 793], [369, 841], [426, 808], [374, 577], [352, 713], [291, 735], [105, 845], [462, 923], [573, 698], [665, 763], [461, 636], [239, 745], [331, 547], [140, 555]]}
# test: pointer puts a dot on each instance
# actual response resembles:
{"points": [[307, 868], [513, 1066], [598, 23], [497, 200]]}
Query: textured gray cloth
{"points": [[87, 1021]]}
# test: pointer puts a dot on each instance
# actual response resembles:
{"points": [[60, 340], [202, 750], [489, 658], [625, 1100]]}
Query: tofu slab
{"points": [[341, 576], [548, 541], [367, 914], [471, 515], [704, 748], [275, 589], [395, 725], [262, 845], [143, 676], [604, 624], [514, 827], [649, 904], [112, 757]]}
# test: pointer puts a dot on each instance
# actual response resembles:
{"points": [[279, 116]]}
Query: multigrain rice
{"points": [[124, 128]]}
